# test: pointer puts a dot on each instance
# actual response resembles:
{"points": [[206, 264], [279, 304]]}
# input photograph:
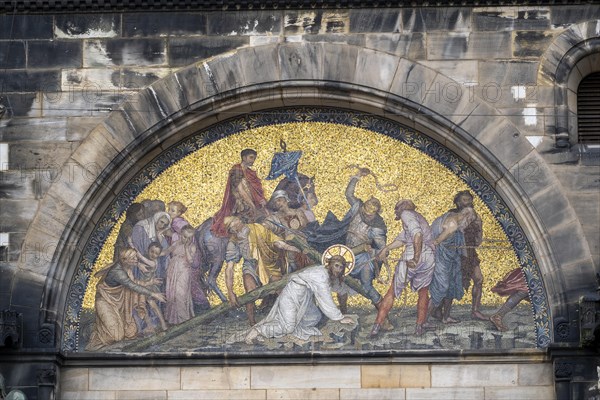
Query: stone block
{"points": [[26, 26], [59, 210], [91, 395], [395, 376], [535, 374], [373, 20], [567, 244], [373, 394], [90, 80], [528, 120], [95, 153], [508, 73], [145, 110], [375, 69], [577, 177], [7, 275], [209, 378], [13, 253], [506, 143], [529, 393], [347, 39], [531, 44], [468, 45], [409, 45], [164, 24], [74, 379], [303, 394], [21, 105], [305, 377], [224, 72], [436, 19], [567, 15], [301, 61], [78, 128], [89, 103], [85, 26], [245, 23], [134, 52], [27, 290], [135, 378], [552, 206], [297, 22], [260, 64], [192, 85], [34, 129], [17, 214], [12, 54], [23, 184], [339, 63], [445, 393], [465, 72], [473, 375], [188, 50], [216, 394], [334, 21], [413, 81], [140, 78], [29, 81], [121, 128], [54, 53], [142, 394]]}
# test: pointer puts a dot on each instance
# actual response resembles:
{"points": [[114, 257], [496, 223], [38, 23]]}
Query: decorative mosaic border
{"points": [[428, 146]]}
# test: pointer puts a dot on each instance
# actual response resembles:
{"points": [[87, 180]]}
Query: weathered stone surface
{"points": [[473, 375], [435, 19], [142, 394], [17, 214], [505, 142], [260, 64], [90, 80], [550, 203], [375, 69], [301, 61], [30, 290], [95, 153], [334, 21], [215, 378], [508, 73], [26, 26], [339, 63], [134, 52], [349, 39], [90, 101], [445, 393], [139, 78], [530, 393], [29, 80], [12, 54], [217, 394], [140, 378], [535, 374], [528, 120], [78, 128], [244, 23], [21, 105], [407, 45], [531, 43], [315, 21], [36, 155], [194, 88], [7, 275], [577, 177], [23, 184], [83, 26], [464, 72], [74, 379], [412, 81], [375, 394], [163, 24], [185, 51], [225, 72], [468, 45], [53, 53], [365, 20], [564, 16], [303, 394], [567, 245], [299, 377], [88, 395], [499, 19], [532, 173]]}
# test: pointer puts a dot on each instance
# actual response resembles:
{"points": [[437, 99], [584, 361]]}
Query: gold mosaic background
{"points": [[328, 149]]}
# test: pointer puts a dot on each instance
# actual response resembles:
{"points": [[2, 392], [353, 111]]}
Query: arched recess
{"points": [[573, 54], [283, 75]]}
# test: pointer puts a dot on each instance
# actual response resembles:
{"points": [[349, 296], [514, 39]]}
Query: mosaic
{"points": [[303, 230]]}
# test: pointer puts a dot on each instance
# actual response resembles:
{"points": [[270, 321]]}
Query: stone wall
{"points": [[329, 382], [481, 70]]}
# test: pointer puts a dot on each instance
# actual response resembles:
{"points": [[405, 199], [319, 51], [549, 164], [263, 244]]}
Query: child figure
{"points": [[180, 307], [147, 277], [176, 209]]}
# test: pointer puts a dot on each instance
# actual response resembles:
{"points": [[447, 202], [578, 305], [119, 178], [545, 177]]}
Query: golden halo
{"points": [[340, 250]]}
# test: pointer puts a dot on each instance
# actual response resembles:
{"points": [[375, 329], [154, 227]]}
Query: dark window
{"points": [[588, 109]]}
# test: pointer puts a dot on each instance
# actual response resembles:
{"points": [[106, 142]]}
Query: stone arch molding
{"points": [[571, 56], [252, 79]]}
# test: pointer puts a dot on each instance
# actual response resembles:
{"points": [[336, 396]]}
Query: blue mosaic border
{"points": [[428, 146]]}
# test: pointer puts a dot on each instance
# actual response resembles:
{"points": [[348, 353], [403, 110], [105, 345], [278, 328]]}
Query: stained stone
{"points": [[82, 26], [531, 43], [185, 51], [53, 53], [26, 26], [163, 24], [12, 54], [373, 20]]}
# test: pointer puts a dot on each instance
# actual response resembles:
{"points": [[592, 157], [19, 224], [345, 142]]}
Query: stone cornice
{"points": [[90, 6]]}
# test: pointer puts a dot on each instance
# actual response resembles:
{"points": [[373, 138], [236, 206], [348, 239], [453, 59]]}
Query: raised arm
{"points": [[350, 190]]}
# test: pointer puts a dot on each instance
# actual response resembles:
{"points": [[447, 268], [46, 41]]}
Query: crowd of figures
{"points": [[164, 267]]}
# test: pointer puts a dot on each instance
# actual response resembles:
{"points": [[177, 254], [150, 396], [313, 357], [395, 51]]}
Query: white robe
{"points": [[300, 306]]}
